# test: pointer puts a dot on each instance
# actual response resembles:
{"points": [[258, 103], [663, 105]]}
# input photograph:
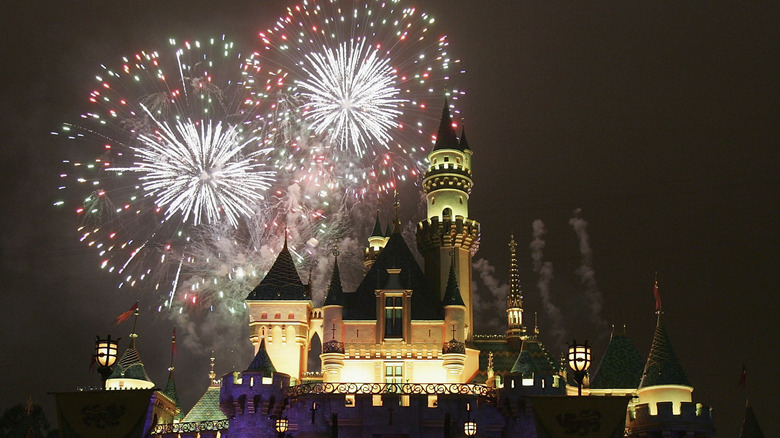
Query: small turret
{"points": [[333, 313], [376, 242], [129, 372]]}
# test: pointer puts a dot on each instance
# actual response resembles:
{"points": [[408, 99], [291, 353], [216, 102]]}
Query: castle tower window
{"points": [[394, 317], [264, 315], [291, 316], [447, 212], [446, 159], [394, 374], [278, 315]]}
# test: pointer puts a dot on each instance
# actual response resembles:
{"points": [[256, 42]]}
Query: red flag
{"points": [[743, 376], [124, 316], [173, 342], [657, 294]]}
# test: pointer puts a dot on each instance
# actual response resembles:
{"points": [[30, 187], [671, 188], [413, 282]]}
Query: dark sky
{"points": [[660, 120]]}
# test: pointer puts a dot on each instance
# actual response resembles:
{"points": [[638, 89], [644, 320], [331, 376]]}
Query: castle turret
{"points": [[333, 313], [279, 309], [454, 351], [129, 372], [253, 398], [665, 396], [447, 187], [376, 242], [514, 300]]}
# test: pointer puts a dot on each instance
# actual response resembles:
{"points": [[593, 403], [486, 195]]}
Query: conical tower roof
{"points": [[464, 144], [452, 295], [282, 281], [621, 367], [335, 291], [750, 427], [446, 138], [533, 358], [262, 363], [130, 366], [171, 392], [662, 367], [377, 232]]}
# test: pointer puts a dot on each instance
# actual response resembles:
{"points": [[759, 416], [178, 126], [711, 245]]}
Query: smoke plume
{"points": [[545, 271], [585, 272], [488, 307]]}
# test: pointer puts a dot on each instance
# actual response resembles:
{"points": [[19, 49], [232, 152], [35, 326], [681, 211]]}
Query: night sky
{"points": [[659, 120]]}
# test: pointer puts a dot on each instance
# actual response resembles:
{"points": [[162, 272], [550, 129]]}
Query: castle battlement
{"points": [[691, 417], [461, 232]]}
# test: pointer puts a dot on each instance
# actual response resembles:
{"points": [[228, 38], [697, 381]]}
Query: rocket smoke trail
{"points": [[545, 271], [585, 272]]}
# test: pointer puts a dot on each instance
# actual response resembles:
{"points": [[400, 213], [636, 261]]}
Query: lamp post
{"points": [[281, 424], [579, 361], [105, 356], [469, 427]]}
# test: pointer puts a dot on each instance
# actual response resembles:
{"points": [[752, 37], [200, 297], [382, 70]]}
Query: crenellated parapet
{"points": [[461, 232], [448, 176], [249, 399], [694, 419]]}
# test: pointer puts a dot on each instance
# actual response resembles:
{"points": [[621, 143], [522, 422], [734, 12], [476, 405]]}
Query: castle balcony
{"points": [[693, 417], [439, 389]]}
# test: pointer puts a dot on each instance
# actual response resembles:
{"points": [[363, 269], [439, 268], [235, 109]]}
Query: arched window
{"points": [[290, 315], [278, 315], [264, 315], [446, 212]]}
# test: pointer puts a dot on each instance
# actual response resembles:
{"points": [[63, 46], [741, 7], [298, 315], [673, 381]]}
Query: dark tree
{"points": [[24, 420]]}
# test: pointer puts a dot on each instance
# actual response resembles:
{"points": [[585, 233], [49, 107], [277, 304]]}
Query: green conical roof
{"points": [[533, 358], [662, 367], [130, 366], [335, 291], [173, 395], [452, 295], [262, 363], [750, 427], [621, 367], [207, 408]]}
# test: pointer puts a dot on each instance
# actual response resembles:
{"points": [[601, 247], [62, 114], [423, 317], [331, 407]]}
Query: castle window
{"points": [[278, 315], [460, 198], [264, 315], [394, 320], [447, 212], [291, 316], [433, 201], [394, 374], [446, 159]]}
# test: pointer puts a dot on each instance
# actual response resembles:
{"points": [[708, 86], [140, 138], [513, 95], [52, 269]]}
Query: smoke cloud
{"points": [[585, 271], [545, 271], [488, 310]]}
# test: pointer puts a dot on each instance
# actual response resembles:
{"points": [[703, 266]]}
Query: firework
{"points": [[371, 77], [172, 139]]}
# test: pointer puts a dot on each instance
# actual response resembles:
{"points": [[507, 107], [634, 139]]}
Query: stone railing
{"points": [[392, 388], [333, 346], [454, 346], [161, 429]]}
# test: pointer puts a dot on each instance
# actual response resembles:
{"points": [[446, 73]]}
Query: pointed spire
{"points": [[134, 335], [452, 295], [377, 232], [515, 296], [212, 374], [170, 387], [750, 426], [657, 295], [446, 138], [396, 221], [262, 363], [335, 295], [464, 144], [662, 366], [282, 281], [388, 231]]}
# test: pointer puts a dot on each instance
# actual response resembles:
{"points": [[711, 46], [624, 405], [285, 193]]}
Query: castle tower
{"points": [[447, 186], [279, 311], [515, 332], [376, 241], [454, 351], [254, 398], [664, 403], [129, 372], [333, 323]]}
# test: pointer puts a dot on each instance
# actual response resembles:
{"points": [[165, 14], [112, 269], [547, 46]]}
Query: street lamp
{"points": [[469, 427], [579, 361], [105, 356], [282, 424]]}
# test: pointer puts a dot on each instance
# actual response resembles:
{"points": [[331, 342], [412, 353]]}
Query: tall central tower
{"points": [[448, 234]]}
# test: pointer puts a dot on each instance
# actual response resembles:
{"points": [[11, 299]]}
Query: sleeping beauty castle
{"points": [[398, 356]]}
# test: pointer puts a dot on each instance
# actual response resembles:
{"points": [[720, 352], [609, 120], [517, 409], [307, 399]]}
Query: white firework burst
{"points": [[351, 95], [200, 170]]}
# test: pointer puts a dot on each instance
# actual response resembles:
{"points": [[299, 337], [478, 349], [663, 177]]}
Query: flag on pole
{"points": [[124, 316], [657, 294], [743, 376]]}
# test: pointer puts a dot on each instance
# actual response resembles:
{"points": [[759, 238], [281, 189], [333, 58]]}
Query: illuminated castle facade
{"points": [[398, 356]]}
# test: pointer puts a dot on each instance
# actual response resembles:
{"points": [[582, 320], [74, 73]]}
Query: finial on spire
{"points": [[212, 374], [134, 335], [657, 295], [173, 348], [336, 252], [396, 221], [536, 323]]}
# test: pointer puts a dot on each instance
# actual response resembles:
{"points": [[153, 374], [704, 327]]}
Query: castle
{"points": [[398, 356]]}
